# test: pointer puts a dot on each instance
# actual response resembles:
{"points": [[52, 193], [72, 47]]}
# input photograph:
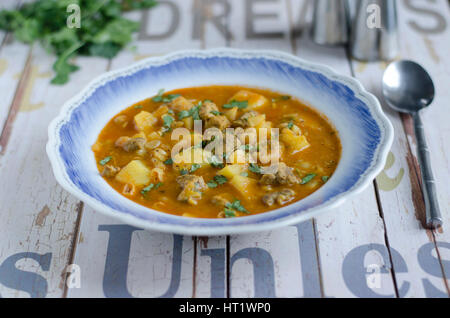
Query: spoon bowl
{"points": [[407, 87]]}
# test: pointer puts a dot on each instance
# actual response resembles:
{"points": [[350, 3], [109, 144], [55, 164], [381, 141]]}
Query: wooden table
{"points": [[52, 245]]}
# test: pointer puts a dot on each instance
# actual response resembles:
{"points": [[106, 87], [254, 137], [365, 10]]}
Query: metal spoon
{"points": [[408, 88]]}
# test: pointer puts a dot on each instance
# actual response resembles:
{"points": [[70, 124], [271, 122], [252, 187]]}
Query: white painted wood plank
{"points": [[13, 56], [37, 217], [118, 260], [399, 191], [357, 223], [152, 267]]}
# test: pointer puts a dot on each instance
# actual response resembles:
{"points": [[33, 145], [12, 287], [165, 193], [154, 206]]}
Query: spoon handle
{"points": [[433, 214]]}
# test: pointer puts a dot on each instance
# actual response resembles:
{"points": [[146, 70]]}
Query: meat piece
{"points": [[267, 179], [110, 171], [207, 109], [160, 154], [130, 144], [220, 122], [180, 103], [282, 197], [243, 121], [121, 120], [284, 175], [217, 200], [192, 187]]}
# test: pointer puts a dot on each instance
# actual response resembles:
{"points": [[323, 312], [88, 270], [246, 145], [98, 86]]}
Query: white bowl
{"points": [[365, 132]]}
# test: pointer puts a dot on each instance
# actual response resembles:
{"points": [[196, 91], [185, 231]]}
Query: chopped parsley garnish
{"points": [[244, 174], [215, 163], [105, 160], [291, 124], [211, 184], [325, 178], [195, 167], [184, 172], [165, 99], [285, 97], [235, 103], [255, 168], [147, 189], [168, 161], [150, 187], [158, 97], [168, 120], [193, 112], [229, 213], [220, 179], [308, 178], [237, 206], [216, 112]]}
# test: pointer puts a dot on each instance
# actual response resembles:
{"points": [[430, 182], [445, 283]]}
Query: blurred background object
{"points": [[330, 22], [374, 34]]}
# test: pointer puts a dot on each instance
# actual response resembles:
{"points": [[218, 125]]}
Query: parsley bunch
{"points": [[103, 31]]}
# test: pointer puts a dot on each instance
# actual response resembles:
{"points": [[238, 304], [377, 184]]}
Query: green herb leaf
{"points": [[215, 162], [235, 103], [229, 213], [103, 32], [244, 174], [325, 178], [159, 184], [168, 161], [138, 107], [184, 114], [308, 178], [158, 97], [105, 160], [220, 179], [167, 120], [212, 184], [255, 168], [147, 189], [216, 113], [236, 205], [291, 124], [184, 172], [285, 97], [195, 167]]}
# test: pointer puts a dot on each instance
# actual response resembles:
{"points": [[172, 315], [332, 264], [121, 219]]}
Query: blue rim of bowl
{"points": [[261, 222]]}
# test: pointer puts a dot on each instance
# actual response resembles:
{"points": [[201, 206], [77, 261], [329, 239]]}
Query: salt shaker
{"points": [[374, 34], [330, 22]]}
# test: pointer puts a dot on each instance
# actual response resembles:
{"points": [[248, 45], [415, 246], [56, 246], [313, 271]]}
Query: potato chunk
{"points": [[188, 157], [231, 170], [294, 142], [135, 173], [254, 100], [231, 114], [246, 186], [144, 121], [256, 120]]}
